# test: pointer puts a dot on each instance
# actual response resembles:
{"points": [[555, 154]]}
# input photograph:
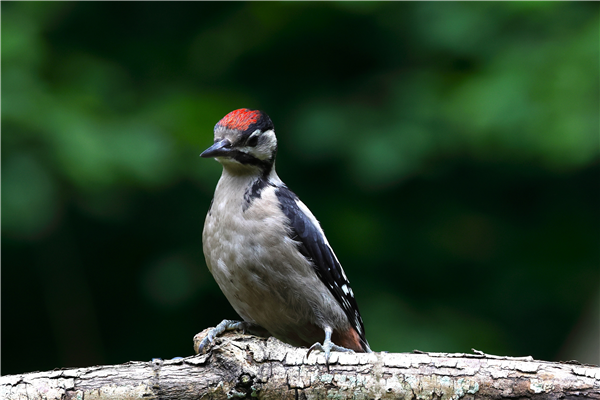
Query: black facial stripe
{"points": [[248, 159]]}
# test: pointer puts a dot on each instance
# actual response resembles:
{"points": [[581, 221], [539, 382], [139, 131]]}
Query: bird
{"points": [[267, 251]]}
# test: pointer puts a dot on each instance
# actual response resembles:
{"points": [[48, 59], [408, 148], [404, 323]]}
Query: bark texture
{"points": [[242, 366]]}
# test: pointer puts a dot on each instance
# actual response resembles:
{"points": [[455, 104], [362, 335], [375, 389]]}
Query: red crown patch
{"points": [[240, 119]]}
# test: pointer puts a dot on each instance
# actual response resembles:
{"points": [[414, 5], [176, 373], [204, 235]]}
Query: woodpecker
{"points": [[267, 251]]}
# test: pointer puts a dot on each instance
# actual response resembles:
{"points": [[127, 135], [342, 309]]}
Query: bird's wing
{"points": [[314, 246]]}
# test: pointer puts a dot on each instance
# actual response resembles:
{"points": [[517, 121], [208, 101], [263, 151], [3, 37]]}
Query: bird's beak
{"points": [[219, 149]]}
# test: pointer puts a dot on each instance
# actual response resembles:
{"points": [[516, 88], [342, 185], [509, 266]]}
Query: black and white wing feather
{"points": [[314, 246]]}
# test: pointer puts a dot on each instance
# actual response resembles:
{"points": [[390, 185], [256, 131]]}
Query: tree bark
{"points": [[243, 366]]}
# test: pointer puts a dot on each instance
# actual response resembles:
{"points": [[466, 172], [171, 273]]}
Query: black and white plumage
{"points": [[267, 251]]}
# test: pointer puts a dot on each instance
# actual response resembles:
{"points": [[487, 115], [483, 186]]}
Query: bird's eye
{"points": [[253, 141]]}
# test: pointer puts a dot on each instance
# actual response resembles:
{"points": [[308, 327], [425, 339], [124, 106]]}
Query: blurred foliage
{"points": [[450, 151]]}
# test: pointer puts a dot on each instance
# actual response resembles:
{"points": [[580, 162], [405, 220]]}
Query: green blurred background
{"points": [[450, 151]]}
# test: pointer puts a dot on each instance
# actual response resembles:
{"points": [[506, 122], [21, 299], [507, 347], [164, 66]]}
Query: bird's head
{"points": [[244, 140]]}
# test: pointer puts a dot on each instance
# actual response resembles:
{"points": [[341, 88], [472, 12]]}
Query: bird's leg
{"points": [[225, 325], [327, 346]]}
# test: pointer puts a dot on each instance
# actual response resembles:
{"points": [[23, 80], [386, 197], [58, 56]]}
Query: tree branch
{"points": [[243, 366]]}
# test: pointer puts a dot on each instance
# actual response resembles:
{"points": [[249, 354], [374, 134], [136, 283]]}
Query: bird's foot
{"points": [[327, 347], [225, 325]]}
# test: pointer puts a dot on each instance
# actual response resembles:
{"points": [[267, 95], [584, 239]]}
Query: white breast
{"points": [[257, 265]]}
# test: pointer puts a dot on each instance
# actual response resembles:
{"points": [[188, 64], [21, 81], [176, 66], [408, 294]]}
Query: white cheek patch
{"points": [[270, 135], [269, 140], [268, 143]]}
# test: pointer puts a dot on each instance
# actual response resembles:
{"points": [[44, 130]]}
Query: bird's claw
{"points": [[327, 347], [208, 340], [225, 325]]}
